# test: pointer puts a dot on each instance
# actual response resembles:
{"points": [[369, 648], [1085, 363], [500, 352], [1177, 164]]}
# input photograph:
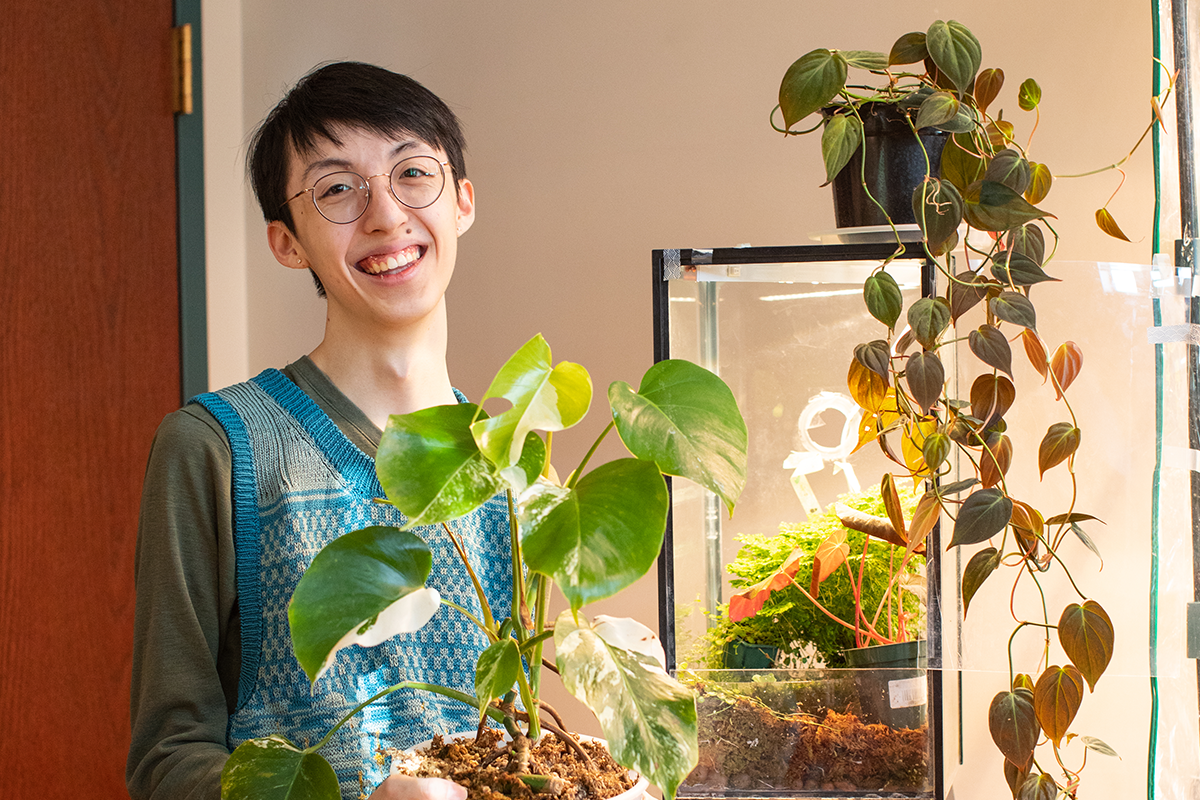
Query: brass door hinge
{"points": [[181, 60]]}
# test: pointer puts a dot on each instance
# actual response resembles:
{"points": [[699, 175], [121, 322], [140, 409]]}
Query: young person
{"points": [[360, 176]]}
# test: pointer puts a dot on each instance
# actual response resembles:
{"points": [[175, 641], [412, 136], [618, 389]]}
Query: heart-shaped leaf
{"points": [[1008, 167], [999, 134], [1014, 776], [1028, 241], [929, 317], [810, 83], [498, 668], [938, 109], [543, 397], [989, 346], [938, 209], [1066, 365], [1040, 181], [962, 164], [831, 553], [865, 59], [992, 206], [965, 291], [1014, 725], [866, 387], [1060, 443], [1036, 351], [1098, 746], [1086, 635], [1104, 219], [600, 536], [362, 588], [629, 634], [686, 420], [875, 356], [987, 87], [272, 768], [981, 565], [925, 376], [1056, 700], [1038, 787], [1029, 95], [883, 298], [647, 717], [991, 398], [995, 459], [955, 51], [430, 466], [841, 139], [1015, 269], [1014, 307], [984, 514], [935, 450], [908, 49]]}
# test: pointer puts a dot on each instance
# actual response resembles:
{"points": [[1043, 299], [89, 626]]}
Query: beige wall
{"points": [[600, 131]]}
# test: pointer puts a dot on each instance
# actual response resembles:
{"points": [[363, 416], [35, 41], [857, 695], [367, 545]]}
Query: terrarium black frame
{"points": [[683, 264]]}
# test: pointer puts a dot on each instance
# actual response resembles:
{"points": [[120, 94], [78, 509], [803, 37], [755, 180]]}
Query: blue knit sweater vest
{"points": [[299, 483]]}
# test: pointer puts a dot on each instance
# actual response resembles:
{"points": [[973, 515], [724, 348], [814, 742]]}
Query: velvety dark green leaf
{"points": [[1040, 181], [1056, 700], [841, 139], [1029, 242], [989, 346], [911, 101], [1038, 787], [925, 376], [647, 717], [883, 298], [987, 87], [362, 588], [1015, 308], [984, 514], [936, 449], [955, 51], [865, 59], [1029, 95], [929, 317], [991, 398], [686, 420], [1014, 725], [272, 768], [908, 49], [1086, 635], [1022, 271], [981, 565], [875, 356], [938, 108], [497, 670], [1060, 443], [965, 120], [938, 209], [810, 84], [961, 162], [956, 487], [1008, 167], [965, 291], [1014, 776], [600, 536], [992, 206], [431, 468]]}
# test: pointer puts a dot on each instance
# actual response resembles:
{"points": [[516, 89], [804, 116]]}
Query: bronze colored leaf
{"points": [[1022, 681], [1060, 443], [1014, 726], [869, 524], [891, 504], [991, 397], [925, 515], [831, 553], [866, 387], [1056, 700], [982, 515], [1027, 518], [1014, 307], [1065, 365], [1109, 225], [995, 460], [1074, 516], [1038, 787], [1036, 351], [1014, 776], [965, 291], [987, 87], [935, 450], [990, 347], [908, 49], [1086, 635], [876, 357], [962, 165], [926, 376], [1000, 134], [981, 565], [912, 444], [1040, 181]]}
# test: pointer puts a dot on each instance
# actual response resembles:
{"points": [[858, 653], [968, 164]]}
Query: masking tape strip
{"points": [[1180, 458], [1169, 334]]}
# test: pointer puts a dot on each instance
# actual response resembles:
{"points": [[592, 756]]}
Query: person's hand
{"points": [[406, 787]]}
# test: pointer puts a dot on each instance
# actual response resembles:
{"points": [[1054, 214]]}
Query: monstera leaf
{"points": [[272, 768]]}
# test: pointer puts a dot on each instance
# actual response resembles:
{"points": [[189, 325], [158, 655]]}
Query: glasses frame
{"points": [[442, 165]]}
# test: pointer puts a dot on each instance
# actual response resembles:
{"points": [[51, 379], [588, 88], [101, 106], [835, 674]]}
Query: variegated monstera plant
{"points": [[592, 535], [980, 201]]}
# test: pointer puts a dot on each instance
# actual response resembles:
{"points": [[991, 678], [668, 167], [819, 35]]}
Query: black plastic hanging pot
{"points": [[891, 685], [895, 164]]}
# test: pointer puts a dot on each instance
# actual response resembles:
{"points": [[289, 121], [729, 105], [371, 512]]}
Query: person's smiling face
{"points": [[391, 266]]}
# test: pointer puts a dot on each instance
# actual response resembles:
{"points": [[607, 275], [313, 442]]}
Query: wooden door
{"points": [[89, 363]]}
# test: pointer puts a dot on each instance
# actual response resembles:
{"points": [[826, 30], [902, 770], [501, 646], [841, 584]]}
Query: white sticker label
{"points": [[908, 692]]}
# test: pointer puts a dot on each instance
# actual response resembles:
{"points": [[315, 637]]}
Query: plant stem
{"points": [[518, 571], [492, 636], [588, 457], [483, 603], [541, 608]]}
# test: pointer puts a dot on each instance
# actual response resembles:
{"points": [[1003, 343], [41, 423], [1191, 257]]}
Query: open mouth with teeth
{"points": [[392, 263]]}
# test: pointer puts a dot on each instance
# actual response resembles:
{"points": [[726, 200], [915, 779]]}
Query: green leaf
{"points": [[1086, 635], [938, 209], [543, 398], [431, 468], [929, 318], [961, 162], [925, 376], [956, 487], [1040, 181], [1088, 542], [1018, 269], [1098, 746], [810, 84], [965, 120], [272, 768], [1060, 443], [362, 588], [935, 450], [883, 298], [938, 109], [908, 49], [965, 291], [1029, 242], [1014, 726], [1014, 776], [987, 87], [982, 516], [1038, 787], [600, 536], [875, 356], [840, 140], [686, 420], [647, 717], [865, 59], [1029, 95], [1015, 308], [992, 206], [981, 565], [1056, 700], [955, 51], [498, 668], [989, 346], [1008, 167], [530, 466]]}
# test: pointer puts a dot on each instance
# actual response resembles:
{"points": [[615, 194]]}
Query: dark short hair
{"points": [[346, 94]]}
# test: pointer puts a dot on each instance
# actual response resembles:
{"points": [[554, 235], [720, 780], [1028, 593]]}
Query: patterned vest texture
{"points": [[298, 484]]}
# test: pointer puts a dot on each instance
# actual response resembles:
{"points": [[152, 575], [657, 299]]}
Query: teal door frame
{"points": [[189, 155]]}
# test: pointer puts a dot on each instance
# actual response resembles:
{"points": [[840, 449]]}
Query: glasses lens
{"points": [[341, 196], [418, 181]]}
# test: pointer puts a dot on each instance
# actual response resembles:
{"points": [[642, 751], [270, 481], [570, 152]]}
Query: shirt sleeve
{"points": [[186, 651]]}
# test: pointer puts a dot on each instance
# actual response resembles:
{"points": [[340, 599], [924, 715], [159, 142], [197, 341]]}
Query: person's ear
{"points": [[285, 246], [465, 209]]}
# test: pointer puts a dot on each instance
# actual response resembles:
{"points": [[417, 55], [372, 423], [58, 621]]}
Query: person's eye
{"points": [[412, 172], [334, 189]]}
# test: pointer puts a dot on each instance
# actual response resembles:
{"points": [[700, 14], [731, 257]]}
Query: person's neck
{"points": [[388, 372]]}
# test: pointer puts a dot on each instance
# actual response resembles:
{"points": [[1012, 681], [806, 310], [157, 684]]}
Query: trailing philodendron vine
{"points": [[592, 535], [982, 224]]}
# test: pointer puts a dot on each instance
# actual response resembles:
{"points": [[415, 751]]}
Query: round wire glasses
{"points": [[342, 197]]}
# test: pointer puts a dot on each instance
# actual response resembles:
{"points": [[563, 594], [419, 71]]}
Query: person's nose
{"points": [[384, 211]]}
